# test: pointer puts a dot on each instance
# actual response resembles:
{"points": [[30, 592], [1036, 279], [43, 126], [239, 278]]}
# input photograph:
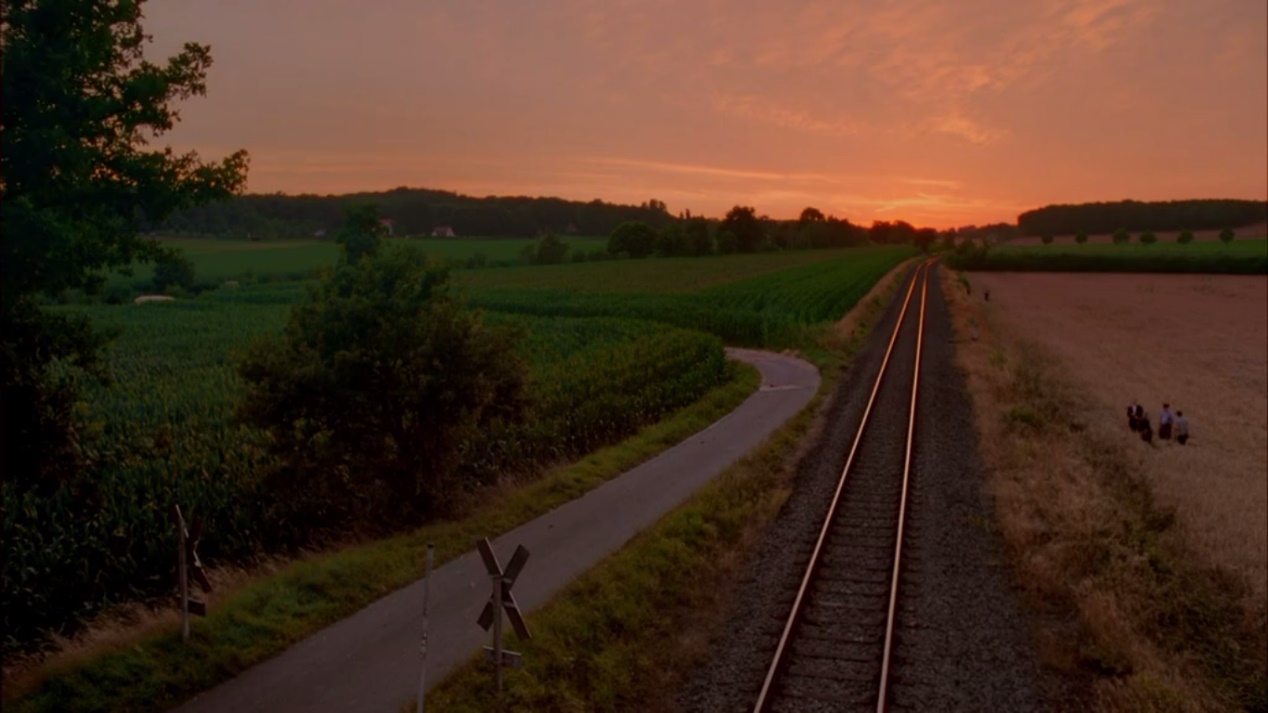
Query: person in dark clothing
{"points": [[1182, 428], [1133, 418], [1146, 430]]}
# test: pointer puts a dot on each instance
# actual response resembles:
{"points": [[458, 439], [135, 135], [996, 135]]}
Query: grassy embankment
{"points": [[625, 634], [1240, 257], [1122, 607]]}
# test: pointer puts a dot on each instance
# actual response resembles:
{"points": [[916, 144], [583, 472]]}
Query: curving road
{"points": [[370, 661]]}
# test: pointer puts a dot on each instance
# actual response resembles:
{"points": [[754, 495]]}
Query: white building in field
{"points": [[443, 231]]}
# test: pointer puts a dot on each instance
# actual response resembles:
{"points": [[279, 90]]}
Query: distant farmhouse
{"points": [[443, 231], [387, 224]]}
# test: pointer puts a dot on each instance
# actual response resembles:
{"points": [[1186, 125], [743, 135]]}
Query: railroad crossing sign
{"points": [[500, 601], [188, 564]]}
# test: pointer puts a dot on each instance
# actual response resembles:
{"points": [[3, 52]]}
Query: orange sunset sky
{"points": [[939, 113]]}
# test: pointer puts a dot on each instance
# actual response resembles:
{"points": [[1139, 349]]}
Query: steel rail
{"points": [[882, 696], [772, 673]]}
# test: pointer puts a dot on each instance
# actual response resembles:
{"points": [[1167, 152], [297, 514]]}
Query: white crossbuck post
{"points": [[502, 601]]}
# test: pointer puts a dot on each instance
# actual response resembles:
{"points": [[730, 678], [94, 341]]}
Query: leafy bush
{"points": [[1185, 238], [1148, 238], [1047, 238], [1122, 237], [1226, 236], [1081, 237], [379, 380], [634, 238], [173, 271]]}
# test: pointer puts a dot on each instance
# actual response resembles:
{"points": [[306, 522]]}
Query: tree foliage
{"points": [[77, 181], [1148, 238], [1142, 215], [1185, 237], [1081, 237], [378, 381], [549, 250], [1047, 239], [699, 237], [1121, 236], [1226, 236], [634, 238], [361, 235], [742, 223], [173, 271]]}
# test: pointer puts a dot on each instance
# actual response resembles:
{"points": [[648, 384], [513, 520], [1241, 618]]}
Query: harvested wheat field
{"points": [[1198, 342]]}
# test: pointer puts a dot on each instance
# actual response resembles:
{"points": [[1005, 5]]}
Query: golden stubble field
{"points": [[1198, 342]]}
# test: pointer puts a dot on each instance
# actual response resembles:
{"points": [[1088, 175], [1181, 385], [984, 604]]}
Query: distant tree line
{"points": [[413, 211], [1142, 215]]}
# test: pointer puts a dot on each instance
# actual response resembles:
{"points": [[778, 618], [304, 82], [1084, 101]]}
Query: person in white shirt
{"points": [[1182, 428], [1165, 420]]}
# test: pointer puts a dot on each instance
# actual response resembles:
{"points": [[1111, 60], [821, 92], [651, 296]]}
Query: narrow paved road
{"points": [[370, 661]]}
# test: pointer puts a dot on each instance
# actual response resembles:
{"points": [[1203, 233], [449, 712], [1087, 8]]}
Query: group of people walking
{"points": [[1169, 424]]}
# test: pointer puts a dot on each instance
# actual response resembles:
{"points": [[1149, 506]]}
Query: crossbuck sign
{"points": [[502, 600]]}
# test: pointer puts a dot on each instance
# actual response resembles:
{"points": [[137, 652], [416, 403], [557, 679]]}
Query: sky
{"points": [[939, 113]]}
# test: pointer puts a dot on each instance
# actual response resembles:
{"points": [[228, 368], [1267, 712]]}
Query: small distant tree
{"points": [[173, 270], [1081, 237], [811, 215], [374, 387], [361, 234], [1226, 236], [550, 250], [925, 238], [742, 222], [634, 238], [1148, 238], [671, 240], [1047, 238], [1185, 237], [699, 240], [1121, 236]]}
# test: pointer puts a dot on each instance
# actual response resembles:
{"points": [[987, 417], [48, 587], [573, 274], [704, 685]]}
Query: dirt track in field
{"points": [[1199, 342]]}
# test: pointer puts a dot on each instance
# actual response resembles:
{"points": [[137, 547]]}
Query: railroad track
{"points": [[836, 647]]}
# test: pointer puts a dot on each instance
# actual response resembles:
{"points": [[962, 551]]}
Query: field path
{"points": [[370, 661]]}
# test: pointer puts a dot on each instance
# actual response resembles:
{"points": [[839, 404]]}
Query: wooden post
{"points": [[422, 676], [497, 630], [183, 573]]}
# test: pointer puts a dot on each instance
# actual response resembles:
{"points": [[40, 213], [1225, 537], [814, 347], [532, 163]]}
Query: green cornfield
{"points": [[603, 364]]}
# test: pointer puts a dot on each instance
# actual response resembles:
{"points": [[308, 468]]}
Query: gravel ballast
{"points": [[961, 642]]}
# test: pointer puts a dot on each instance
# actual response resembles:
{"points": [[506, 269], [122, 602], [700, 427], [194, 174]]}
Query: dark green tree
{"points": [[1081, 237], [550, 250], [634, 238], [362, 233], [1148, 238], [925, 238], [1185, 237], [1121, 236], [671, 240], [742, 222], [1047, 239], [173, 271], [699, 239], [811, 215], [378, 381], [1226, 236], [77, 182]]}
